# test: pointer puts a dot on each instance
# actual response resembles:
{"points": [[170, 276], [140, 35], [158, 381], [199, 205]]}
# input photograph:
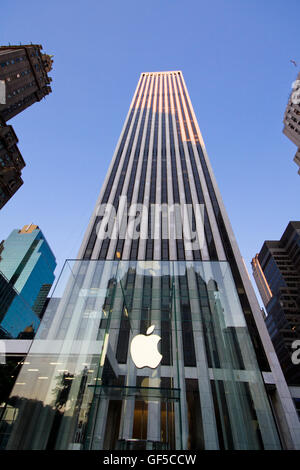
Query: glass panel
{"points": [[141, 354], [17, 318]]}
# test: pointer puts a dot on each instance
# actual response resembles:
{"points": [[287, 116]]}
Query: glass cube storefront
{"points": [[141, 355]]}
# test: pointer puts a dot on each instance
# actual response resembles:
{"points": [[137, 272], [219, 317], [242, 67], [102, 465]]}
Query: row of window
{"points": [[5, 160], [152, 194], [153, 176], [21, 89], [93, 236], [132, 179], [18, 75], [219, 218], [13, 107], [208, 232], [262, 360], [184, 170], [3, 196], [35, 53], [141, 190], [11, 62], [293, 128]]}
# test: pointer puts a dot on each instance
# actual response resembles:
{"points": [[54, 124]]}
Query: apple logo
{"points": [[143, 349]]}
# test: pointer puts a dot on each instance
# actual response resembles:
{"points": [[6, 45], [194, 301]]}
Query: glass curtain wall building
{"points": [[27, 267], [156, 339]]}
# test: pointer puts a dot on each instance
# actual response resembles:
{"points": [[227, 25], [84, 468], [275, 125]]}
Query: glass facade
{"points": [[27, 267], [89, 380]]}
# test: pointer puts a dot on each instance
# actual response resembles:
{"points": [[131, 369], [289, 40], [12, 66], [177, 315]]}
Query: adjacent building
{"points": [[27, 267], [11, 164], [292, 119], [24, 69], [276, 269], [24, 80], [26, 274], [155, 338]]}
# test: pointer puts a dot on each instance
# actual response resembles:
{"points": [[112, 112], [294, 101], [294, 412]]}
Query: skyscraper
{"points": [[157, 339], [26, 274], [27, 267], [24, 70], [276, 271], [24, 80]]}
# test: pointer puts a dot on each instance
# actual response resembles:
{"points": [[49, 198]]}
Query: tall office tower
{"points": [[27, 267], [11, 164], [157, 340], [24, 70], [24, 80], [292, 119], [278, 265]]}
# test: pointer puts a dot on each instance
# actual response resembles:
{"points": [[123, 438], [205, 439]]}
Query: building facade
{"points": [[276, 271], [156, 340], [24, 70], [27, 267], [11, 164], [24, 80], [292, 119]]}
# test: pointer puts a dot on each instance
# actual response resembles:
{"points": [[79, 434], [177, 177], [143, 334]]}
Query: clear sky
{"points": [[235, 56]]}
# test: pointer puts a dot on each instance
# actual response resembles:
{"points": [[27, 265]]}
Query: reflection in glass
{"points": [[80, 389]]}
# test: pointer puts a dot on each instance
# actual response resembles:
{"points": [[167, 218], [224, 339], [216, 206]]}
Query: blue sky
{"points": [[235, 57]]}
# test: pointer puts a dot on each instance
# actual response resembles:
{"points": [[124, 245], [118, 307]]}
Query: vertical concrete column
{"points": [[181, 413], [206, 401]]}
